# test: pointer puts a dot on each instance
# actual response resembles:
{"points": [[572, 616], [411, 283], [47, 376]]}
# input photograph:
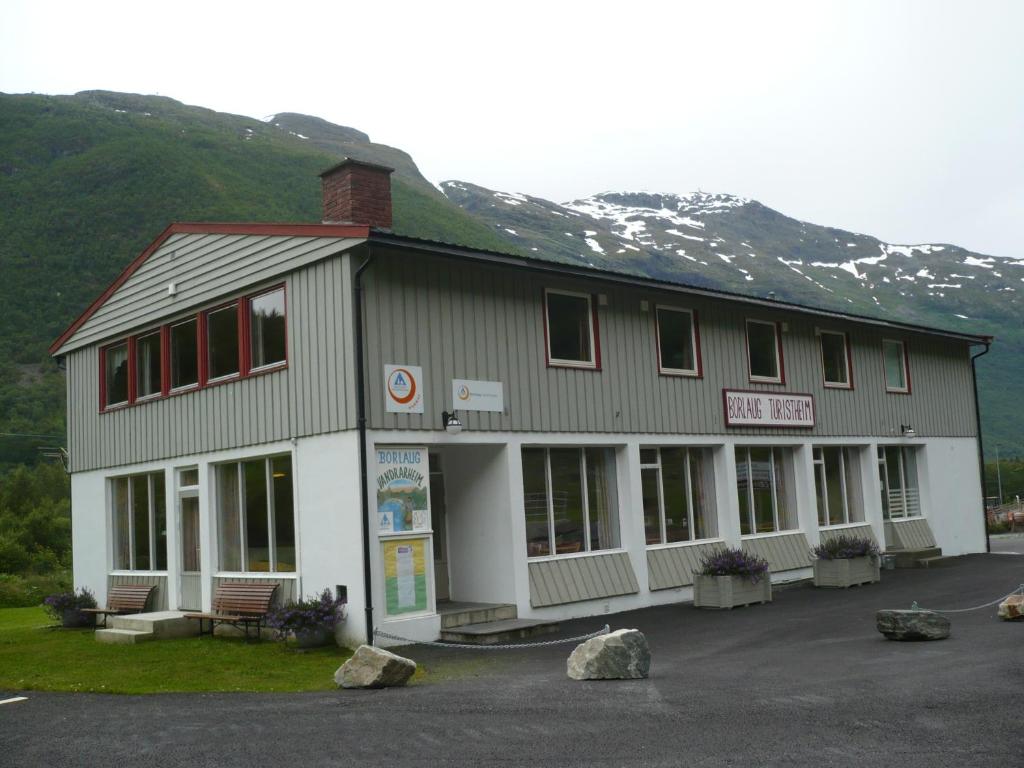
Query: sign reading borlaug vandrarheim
{"points": [[767, 409], [403, 489]]}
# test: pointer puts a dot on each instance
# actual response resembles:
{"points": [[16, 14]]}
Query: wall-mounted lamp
{"points": [[451, 423], [907, 430]]}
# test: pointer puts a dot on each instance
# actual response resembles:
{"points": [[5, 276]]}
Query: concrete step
{"points": [[461, 614], [123, 636], [161, 624], [936, 562], [907, 558], [492, 632]]}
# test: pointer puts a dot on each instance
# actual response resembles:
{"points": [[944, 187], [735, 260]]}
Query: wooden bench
{"points": [[124, 599], [238, 604]]}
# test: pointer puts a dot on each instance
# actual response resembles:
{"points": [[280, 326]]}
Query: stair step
{"points": [[908, 558], [162, 624], [491, 632], [123, 636], [935, 562], [461, 614]]}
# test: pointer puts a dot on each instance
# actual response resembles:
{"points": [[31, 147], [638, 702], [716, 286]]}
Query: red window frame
{"points": [[698, 372], [906, 367], [595, 329], [778, 350], [245, 369], [849, 359]]}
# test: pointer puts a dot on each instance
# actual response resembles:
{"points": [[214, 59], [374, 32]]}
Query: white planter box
{"points": [[846, 572], [730, 591]]}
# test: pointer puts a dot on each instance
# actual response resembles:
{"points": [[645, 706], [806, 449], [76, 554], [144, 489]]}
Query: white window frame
{"points": [[126, 343], [170, 354], [777, 351], [186, 492], [662, 368], [248, 306], [140, 398], [905, 390], [847, 360], [751, 511], [663, 529], [271, 513], [818, 457], [237, 374], [151, 513], [907, 502], [558, 362]]}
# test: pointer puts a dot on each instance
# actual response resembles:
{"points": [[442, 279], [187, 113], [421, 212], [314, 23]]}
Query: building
{"points": [[230, 391]]}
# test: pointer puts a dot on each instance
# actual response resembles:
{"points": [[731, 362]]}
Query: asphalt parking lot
{"points": [[805, 680]]}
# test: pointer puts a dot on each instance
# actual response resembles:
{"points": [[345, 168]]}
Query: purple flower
{"points": [[734, 562], [844, 547]]}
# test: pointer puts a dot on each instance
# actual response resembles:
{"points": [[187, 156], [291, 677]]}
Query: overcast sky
{"points": [[904, 120]]}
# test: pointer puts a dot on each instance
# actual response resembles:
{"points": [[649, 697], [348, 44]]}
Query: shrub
{"points": [[310, 614], [69, 601], [734, 562], [29, 591], [845, 547]]}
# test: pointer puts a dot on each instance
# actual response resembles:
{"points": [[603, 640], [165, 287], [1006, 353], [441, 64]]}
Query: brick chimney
{"points": [[357, 193]]}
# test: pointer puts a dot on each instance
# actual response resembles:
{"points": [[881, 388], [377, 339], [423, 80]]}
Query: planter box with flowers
{"points": [[731, 577], [845, 561], [310, 621], [66, 607]]}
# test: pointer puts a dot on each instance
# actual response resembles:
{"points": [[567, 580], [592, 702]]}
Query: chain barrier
{"points": [[497, 647], [1018, 591]]}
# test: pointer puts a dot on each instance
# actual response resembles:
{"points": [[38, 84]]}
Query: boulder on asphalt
{"points": [[619, 655], [912, 625], [372, 667], [1012, 608]]}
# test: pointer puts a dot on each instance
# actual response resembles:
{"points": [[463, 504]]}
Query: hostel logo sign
{"points": [[403, 392], [470, 395]]}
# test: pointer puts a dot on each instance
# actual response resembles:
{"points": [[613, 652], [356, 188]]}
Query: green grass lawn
{"points": [[34, 656]]}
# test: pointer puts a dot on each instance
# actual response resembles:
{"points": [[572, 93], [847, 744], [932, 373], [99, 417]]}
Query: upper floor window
{"points": [[267, 328], [139, 522], [764, 352], [115, 374], [835, 359], [678, 350], [184, 354], [897, 373], [571, 336], [148, 360], [222, 342]]}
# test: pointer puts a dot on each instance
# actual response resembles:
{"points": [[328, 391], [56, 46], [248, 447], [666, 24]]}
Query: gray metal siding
{"points": [[914, 533], [572, 579], [157, 598], [784, 552], [313, 395], [675, 566], [464, 320], [191, 596], [204, 269], [859, 531]]}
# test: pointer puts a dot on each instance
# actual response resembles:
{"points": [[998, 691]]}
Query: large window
{"points": [[267, 329], [570, 500], [115, 375], [222, 342], [147, 365], [678, 350], [764, 352], [837, 485], [678, 494], [897, 373], [255, 515], [184, 354], [897, 472], [571, 337], [835, 360], [763, 483], [139, 522]]}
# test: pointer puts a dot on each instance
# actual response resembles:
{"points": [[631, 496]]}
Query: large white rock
{"points": [[372, 667], [619, 655], [1012, 608]]}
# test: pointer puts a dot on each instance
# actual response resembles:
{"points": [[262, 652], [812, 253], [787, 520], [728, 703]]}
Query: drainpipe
{"points": [[981, 451], [361, 424]]}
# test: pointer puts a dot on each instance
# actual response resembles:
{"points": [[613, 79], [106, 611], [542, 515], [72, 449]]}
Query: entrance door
{"points": [[190, 590], [440, 525]]}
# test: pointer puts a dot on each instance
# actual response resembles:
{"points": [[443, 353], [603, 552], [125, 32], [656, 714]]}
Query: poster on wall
{"points": [[405, 576], [403, 489], [403, 389]]}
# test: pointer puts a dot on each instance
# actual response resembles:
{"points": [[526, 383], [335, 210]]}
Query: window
{"points": [[115, 374], [763, 480], [569, 500], [188, 505], [267, 329], [764, 352], [837, 486], [570, 329], [678, 349], [184, 355], [897, 472], [255, 515], [147, 365], [222, 342], [897, 375], [678, 494], [139, 522], [835, 360]]}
